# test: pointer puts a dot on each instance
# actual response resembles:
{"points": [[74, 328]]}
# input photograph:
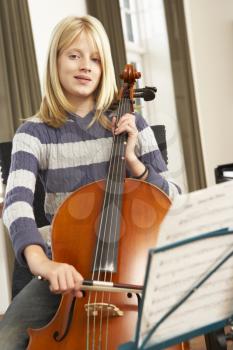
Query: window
{"points": [[146, 42], [130, 14], [129, 20]]}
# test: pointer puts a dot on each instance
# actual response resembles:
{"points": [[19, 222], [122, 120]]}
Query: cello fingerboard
{"points": [[106, 253]]}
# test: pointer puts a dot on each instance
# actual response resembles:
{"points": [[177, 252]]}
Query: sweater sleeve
{"points": [[18, 214], [148, 152]]}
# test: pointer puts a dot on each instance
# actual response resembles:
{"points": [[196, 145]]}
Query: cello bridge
{"points": [[103, 309]]}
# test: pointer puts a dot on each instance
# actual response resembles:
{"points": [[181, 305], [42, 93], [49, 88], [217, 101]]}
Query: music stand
{"points": [[189, 278]]}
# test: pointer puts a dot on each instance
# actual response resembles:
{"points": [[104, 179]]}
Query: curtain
{"points": [[185, 94], [20, 93], [108, 12]]}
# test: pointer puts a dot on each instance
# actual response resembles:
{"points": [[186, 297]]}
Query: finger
{"points": [[77, 281], [113, 121], [54, 284], [78, 278], [62, 281], [128, 127], [128, 117], [113, 124], [79, 294], [70, 282], [125, 121]]}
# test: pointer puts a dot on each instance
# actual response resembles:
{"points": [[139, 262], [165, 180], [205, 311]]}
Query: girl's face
{"points": [[79, 70]]}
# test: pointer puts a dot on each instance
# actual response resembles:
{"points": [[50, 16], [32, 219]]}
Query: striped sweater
{"points": [[65, 158]]}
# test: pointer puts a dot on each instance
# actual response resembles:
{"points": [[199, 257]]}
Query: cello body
{"points": [[112, 319]]}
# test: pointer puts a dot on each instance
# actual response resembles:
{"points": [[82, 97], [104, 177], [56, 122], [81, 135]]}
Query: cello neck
{"points": [[109, 227]]}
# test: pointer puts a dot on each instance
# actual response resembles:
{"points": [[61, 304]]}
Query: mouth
{"points": [[82, 78]]}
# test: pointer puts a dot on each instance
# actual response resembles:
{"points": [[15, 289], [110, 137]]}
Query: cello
{"points": [[104, 229]]}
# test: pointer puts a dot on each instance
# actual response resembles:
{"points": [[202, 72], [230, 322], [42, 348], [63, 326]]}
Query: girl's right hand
{"points": [[62, 277]]}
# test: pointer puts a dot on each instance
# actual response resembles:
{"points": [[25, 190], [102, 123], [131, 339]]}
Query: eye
{"points": [[96, 59], [74, 56]]}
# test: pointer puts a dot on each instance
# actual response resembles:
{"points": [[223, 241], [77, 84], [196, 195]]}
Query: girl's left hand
{"points": [[127, 124]]}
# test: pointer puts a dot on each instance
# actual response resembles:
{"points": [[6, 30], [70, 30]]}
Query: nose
{"points": [[85, 65]]}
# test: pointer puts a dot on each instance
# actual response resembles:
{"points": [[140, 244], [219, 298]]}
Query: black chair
{"points": [[160, 135], [223, 173], [21, 274]]}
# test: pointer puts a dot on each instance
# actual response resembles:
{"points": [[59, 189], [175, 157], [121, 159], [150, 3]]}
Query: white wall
{"points": [[44, 16], [210, 33]]}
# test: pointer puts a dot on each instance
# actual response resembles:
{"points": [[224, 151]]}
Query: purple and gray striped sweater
{"points": [[65, 158]]}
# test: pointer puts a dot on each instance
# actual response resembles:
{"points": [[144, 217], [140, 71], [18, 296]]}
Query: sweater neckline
{"points": [[83, 120]]}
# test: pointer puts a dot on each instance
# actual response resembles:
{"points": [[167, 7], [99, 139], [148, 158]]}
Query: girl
{"points": [[68, 145]]}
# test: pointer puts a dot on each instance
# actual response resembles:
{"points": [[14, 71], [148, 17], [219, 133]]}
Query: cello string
{"points": [[108, 198], [109, 225], [113, 193], [117, 197], [117, 200], [88, 326], [118, 160], [98, 276], [94, 265], [115, 207], [116, 192], [122, 170], [105, 200], [116, 183], [110, 188], [112, 159], [117, 146]]}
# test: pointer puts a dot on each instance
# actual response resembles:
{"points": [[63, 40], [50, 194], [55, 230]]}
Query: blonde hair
{"points": [[54, 105]]}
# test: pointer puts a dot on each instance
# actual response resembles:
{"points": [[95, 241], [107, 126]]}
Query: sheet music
{"points": [[175, 271], [198, 212]]}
